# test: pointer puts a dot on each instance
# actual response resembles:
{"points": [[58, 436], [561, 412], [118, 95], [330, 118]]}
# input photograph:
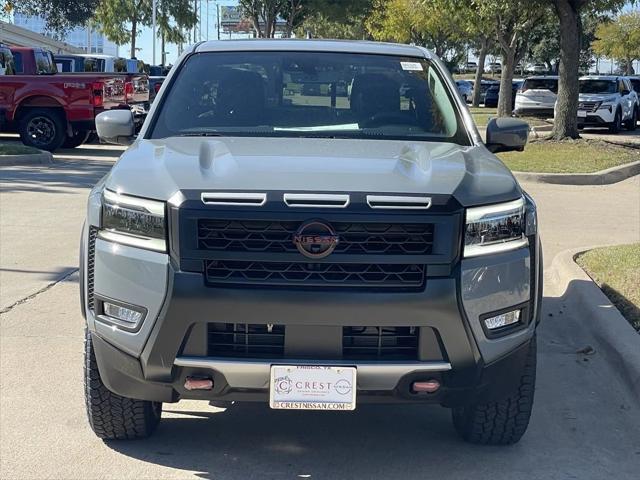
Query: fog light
{"points": [[122, 316], [502, 320]]}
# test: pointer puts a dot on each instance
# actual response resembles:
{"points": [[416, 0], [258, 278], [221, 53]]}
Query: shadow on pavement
{"points": [[583, 411], [54, 178], [252, 441]]}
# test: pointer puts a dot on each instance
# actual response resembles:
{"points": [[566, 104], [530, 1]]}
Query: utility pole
{"points": [[153, 20], [218, 19]]}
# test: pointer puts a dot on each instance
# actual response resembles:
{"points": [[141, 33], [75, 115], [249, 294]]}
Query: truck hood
{"points": [[597, 97], [158, 169]]}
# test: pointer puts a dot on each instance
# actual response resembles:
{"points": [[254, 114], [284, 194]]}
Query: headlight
{"points": [[133, 221], [496, 228]]}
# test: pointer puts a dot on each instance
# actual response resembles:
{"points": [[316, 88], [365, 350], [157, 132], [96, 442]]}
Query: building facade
{"points": [[89, 41]]}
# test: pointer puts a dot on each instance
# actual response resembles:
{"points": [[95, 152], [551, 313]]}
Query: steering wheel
{"points": [[388, 118]]}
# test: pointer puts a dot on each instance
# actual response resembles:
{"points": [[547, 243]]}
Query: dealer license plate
{"points": [[312, 387]]}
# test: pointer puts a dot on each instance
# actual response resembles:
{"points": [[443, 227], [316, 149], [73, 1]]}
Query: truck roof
{"points": [[339, 46]]}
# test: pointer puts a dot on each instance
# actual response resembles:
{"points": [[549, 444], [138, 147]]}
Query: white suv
{"points": [[607, 101]]}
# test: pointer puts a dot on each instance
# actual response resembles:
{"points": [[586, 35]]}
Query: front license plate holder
{"points": [[312, 387]]}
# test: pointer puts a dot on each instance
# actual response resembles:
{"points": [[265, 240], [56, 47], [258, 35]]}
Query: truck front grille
{"points": [[249, 340], [91, 260], [245, 340], [589, 106], [276, 237], [374, 343], [314, 274]]}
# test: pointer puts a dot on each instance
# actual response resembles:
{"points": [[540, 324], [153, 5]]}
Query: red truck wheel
{"points": [[42, 128]]}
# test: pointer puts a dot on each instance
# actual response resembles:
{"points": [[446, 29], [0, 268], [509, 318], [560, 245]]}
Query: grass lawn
{"points": [[616, 270], [481, 116], [571, 156], [16, 149]]}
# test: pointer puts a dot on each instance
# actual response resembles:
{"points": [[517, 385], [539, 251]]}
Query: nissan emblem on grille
{"points": [[315, 239]]}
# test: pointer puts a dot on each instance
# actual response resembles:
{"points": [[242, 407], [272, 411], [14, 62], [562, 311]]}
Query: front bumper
{"points": [[153, 362], [533, 111]]}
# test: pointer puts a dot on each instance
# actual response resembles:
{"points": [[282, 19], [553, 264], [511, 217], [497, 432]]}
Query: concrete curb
{"points": [[603, 177], [42, 158], [619, 341]]}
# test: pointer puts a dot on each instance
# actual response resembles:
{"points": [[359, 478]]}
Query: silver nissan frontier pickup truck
{"points": [[312, 225]]}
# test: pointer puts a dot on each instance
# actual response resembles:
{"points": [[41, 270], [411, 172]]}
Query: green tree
{"points": [[513, 24], [263, 15], [430, 23], [620, 39], [174, 18], [569, 13], [60, 15], [121, 20], [334, 18]]}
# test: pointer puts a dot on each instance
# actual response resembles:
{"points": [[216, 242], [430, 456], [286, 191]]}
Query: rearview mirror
{"points": [[116, 126], [506, 135]]}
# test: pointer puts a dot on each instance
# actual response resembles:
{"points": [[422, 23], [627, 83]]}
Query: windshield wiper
{"points": [[201, 134]]}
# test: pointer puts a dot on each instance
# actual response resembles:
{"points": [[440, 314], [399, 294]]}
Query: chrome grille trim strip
{"points": [[232, 198], [398, 202], [316, 200]]}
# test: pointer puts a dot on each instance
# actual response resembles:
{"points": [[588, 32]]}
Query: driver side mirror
{"points": [[506, 135], [116, 126]]}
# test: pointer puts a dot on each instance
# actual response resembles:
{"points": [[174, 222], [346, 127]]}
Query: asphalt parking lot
{"points": [[586, 423]]}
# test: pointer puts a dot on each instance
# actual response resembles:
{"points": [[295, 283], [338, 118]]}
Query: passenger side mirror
{"points": [[506, 135], [625, 92], [116, 126]]}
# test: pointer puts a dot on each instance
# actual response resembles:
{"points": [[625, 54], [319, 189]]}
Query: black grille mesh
{"points": [[371, 343], [276, 237], [314, 274], [245, 340], [91, 260]]}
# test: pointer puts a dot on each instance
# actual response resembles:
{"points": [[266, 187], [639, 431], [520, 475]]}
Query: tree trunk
{"points": [[482, 56], [506, 80], [134, 34], [566, 118]]}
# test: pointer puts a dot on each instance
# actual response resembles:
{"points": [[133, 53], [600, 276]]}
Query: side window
{"points": [[447, 120], [17, 60]]}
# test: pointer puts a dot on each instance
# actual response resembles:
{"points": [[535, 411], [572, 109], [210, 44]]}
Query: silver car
{"points": [[311, 225]]}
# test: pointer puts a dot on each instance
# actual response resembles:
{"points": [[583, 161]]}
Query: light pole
{"points": [[153, 20]]}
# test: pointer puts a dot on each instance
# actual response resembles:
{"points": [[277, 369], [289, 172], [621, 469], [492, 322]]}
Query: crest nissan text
{"points": [[312, 224]]}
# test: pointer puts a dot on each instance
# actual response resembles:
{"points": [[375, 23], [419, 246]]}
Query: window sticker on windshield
{"points": [[411, 66]]}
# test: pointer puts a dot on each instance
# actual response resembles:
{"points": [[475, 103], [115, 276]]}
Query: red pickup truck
{"points": [[51, 110]]}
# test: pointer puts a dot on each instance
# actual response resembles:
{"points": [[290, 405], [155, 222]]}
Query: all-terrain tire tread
{"points": [[111, 416], [501, 422]]}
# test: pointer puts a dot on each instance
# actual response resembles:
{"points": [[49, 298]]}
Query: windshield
{"points": [[296, 94], [598, 86], [550, 84]]}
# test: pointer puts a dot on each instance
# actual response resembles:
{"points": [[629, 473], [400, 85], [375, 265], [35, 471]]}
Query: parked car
{"points": [[50, 110], [471, 67], [493, 93], [494, 67], [484, 86], [465, 88], [537, 96], [259, 245], [607, 100], [537, 68]]}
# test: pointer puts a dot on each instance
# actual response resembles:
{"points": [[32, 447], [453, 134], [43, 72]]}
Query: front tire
{"points": [[111, 416], [616, 126], [631, 124], [505, 421]]}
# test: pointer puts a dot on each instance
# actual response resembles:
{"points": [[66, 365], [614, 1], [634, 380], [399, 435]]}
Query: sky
{"points": [[144, 41]]}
